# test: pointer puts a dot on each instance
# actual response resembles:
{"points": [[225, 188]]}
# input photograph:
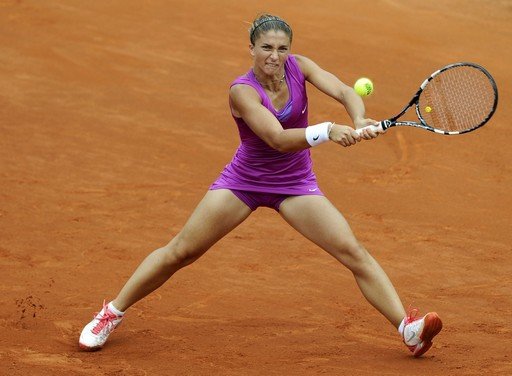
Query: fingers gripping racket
{"points": [[456, 99]]}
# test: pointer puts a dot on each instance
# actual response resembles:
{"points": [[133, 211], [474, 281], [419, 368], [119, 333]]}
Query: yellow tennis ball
{"points": [[363, 86], [428, 109]]}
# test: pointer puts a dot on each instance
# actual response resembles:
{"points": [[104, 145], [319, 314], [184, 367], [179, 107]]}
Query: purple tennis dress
{"points": [[256, 167]]}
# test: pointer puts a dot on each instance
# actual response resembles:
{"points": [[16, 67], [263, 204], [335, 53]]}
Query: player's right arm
{"points": [[246, 103]]}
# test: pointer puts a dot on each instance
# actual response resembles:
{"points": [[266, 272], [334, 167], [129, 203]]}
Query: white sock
{"points": [[115, 310]]}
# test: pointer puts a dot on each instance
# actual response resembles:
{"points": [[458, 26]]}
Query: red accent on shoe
{"points": [[431, 327], [106, 319]]}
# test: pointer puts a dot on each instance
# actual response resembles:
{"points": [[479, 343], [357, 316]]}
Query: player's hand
{"points": [[344, 135], [368, 134]]}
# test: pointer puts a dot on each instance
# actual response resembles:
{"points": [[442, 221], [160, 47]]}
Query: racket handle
{"points": [[375, 128]]}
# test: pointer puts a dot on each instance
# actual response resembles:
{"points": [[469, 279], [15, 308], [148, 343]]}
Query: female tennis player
{"points": [[272, 167]]}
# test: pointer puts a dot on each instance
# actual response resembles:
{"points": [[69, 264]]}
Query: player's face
{"points": [[270, 52]]}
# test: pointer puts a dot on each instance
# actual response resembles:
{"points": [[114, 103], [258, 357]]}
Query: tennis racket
{"points": [[456, 99]]}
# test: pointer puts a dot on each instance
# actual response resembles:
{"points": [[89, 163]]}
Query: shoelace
{"points": [[412, 315], [105, 320]]}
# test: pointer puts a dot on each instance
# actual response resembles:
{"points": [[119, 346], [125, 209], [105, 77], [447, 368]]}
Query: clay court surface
{"points": [[113, 123]]}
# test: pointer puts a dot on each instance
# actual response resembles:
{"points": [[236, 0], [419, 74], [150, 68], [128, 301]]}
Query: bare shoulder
{"points": [[242, 91], [301, 58], [241, 96], [307, 66]]}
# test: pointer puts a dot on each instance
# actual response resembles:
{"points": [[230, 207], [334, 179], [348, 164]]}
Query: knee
{"points": [[353, 255], [180, 252]]}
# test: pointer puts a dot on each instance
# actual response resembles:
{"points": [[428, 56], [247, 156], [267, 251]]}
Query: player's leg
{"points": [[217, 214], [318, 220]]}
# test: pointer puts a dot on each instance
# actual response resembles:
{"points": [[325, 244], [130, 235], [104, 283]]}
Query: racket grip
{"points": [[376, 128]]}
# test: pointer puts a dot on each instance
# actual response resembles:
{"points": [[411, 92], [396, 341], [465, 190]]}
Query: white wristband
{"points": [[319, 133]]}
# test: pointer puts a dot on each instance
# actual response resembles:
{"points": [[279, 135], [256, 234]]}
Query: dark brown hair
{"points": [[267, 22]]}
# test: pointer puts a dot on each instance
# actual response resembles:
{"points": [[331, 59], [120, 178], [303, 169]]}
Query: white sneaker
{"points": [[418, 332], [95, 334]]}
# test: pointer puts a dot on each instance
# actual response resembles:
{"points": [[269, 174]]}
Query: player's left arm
{"points": [[332, 86]]}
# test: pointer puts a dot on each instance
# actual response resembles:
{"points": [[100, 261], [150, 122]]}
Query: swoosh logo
{"points": [[305, 108], [313, 189], [316, 138], [410, 337]]}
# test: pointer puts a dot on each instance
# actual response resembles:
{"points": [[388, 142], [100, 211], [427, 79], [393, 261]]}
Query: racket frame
{"points": [[392, 122]]}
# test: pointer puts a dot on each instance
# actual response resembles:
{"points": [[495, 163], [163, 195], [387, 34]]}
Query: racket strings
{"points": [[458, 99]]}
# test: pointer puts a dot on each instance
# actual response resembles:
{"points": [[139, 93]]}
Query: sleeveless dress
{"points": [[256, 167]]}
